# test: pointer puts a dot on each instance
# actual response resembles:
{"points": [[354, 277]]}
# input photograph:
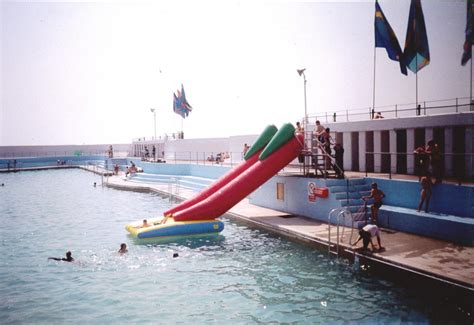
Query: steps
{"points": [[192, 182]]}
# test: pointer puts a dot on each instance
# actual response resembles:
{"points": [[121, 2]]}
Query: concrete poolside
{"points": [[429, 258]]}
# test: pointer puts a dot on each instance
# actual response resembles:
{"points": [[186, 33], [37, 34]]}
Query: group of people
{"points": [[122, 250], [132, 170], [371, 230], [327, 144], [429, 160], [146, 153], [219, 158]]}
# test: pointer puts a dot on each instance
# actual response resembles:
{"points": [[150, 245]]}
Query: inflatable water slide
{"points": [[272, 151]]}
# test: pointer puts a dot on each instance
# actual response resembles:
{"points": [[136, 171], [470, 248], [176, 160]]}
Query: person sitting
{"points": [[145, 224], [68, 258], [378, 115], [123, 249], [132, 170], [366, 235], [211, 158]]}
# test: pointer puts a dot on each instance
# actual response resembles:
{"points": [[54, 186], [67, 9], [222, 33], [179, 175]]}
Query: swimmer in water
{"points": [[145, 223], [123, 249], [68, 258]]}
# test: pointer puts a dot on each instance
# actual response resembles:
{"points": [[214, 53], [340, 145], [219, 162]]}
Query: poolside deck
{"points": [[429, 258]]}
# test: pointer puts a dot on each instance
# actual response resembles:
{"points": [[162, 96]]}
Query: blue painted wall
{"points": [[296, 197], [213, 172], [47, 161], [447, 198]]}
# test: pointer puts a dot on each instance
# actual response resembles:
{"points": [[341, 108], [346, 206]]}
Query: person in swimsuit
{"points": [[145, 224], [377, 195], [425, 194], [123, 249], [68, 258]]}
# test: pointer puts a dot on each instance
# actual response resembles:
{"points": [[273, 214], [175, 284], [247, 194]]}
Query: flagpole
{"points": [[416, 65], [373, 92], [470, 88], [416, 86]]}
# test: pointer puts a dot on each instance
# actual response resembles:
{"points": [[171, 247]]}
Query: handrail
{"points": [[455, 105], [338, 211], [324, 154], [459, 174]]}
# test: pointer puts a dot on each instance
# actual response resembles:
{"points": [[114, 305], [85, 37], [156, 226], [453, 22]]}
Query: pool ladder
{"points": [[339, 213], [173, 181]]}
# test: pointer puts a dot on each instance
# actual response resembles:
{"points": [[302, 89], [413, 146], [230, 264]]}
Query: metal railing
{"points": [[452, 165], [443, 106], [338, 213], [61, 153], [200, 158]]}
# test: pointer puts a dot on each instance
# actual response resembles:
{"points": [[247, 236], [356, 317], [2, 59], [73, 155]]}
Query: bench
{"points": [[436, 225]]}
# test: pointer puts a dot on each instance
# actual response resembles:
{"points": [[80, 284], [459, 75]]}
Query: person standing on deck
{"points": [[377, 195]]}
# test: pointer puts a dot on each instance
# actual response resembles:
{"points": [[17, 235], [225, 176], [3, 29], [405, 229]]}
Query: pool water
{"points": [[242, 275]]}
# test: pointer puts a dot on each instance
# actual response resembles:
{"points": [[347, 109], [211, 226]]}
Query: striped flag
{"points": [[417, 51], [467, 54], [385, 37]]}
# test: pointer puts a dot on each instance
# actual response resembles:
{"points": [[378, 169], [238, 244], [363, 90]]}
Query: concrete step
{"points": [[343, 195], [352, 202]]}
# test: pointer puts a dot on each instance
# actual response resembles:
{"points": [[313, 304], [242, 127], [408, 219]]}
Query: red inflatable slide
{"points": [[248, 178]]}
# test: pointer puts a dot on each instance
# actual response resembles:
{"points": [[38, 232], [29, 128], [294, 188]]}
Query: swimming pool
{"points": [[241, 276]]}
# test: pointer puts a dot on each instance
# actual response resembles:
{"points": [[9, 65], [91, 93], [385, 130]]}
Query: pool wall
{"points": [[48, 161], [213, 172], [446, 199]]}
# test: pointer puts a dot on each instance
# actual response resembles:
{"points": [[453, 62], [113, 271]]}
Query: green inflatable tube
{"points": [[284, 134], [261, 141]]}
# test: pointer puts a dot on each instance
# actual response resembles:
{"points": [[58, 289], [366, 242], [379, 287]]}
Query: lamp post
{"points": [[154, 118], [301, 73]]}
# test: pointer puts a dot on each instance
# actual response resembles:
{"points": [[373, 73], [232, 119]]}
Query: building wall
{"points": [[63, 150]]}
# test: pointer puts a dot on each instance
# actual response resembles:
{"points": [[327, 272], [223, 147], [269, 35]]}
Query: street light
{"points": [[154, 117], [301, 73]]}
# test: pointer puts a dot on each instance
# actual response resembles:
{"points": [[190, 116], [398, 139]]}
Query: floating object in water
{"points": [[171, 228]]}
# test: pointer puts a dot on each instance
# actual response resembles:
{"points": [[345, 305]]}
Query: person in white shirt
{"points": [[366, 235]]}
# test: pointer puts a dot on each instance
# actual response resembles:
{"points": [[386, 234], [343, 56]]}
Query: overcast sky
{"points": [[88, 73]]}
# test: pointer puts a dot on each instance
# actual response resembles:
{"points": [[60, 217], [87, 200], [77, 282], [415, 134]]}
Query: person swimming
{"points": [[123, 249], [68, 258]]}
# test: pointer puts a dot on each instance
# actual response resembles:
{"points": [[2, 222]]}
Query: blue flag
{"points": [[180, 103], [417, 51], [385, 37], [467, 54]]}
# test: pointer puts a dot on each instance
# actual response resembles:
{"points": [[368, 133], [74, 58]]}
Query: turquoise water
{"points": [[241, 276]]}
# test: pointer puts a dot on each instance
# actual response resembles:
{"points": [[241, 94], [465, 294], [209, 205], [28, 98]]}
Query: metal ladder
{"points": [[338, 213], [173, 181]]}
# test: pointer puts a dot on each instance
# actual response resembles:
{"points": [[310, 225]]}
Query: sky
{"points": [[89, 72]]}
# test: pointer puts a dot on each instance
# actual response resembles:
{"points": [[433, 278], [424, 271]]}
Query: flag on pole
{"points": [[417, 51], [385, 37], [180, 103], [467, 54]]}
